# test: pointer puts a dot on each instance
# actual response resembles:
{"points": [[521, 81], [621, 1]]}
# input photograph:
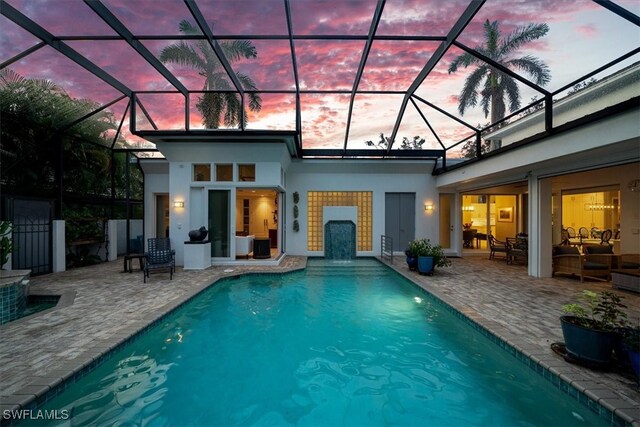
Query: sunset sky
{"points": [[583, 36]]}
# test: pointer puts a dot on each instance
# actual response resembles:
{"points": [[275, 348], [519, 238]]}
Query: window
{"points": [[246, 172], [316, 200], [224, 172], [202, 172]]}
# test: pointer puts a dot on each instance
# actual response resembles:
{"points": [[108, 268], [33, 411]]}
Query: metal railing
{"points": [[386, 248]]}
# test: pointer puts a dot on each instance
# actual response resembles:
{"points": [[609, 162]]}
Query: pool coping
{"points": [[40, 389]]}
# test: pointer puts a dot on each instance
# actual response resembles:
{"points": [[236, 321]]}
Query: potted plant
{"points": [[631, 348], [6, 245], [589, 328], [412, 255], [429, 256]]}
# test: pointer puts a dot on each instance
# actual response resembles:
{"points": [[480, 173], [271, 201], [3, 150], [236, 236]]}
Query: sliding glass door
{"points": [[220, 223]]}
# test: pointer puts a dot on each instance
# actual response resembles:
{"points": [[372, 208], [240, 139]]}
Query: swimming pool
{"points": [[338, 344]]}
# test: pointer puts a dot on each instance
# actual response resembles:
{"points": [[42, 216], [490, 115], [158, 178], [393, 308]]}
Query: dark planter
{"points": [[425, 265], [412, 262], [590, 345], [634, 358]]}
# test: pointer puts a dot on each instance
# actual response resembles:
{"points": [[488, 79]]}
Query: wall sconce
{"points": [[468, 208], [178, 204], [428, 208]]}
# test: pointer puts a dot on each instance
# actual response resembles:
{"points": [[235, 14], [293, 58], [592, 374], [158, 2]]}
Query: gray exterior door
{"points": [[400, 218]]}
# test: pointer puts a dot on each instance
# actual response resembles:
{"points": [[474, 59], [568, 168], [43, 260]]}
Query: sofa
{"points": [[244, 245]]}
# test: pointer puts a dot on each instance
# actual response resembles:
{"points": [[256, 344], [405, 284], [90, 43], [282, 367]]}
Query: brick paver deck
{"points": [[38, 352]]}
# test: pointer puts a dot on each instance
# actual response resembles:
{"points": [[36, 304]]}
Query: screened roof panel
{"points": [[324, 17], [394, 65], [414, 125], [49, 64], [150, 17], [135, 72], [324, 120], [420, 17], [63, 17], [328, 64], [372, 115], [13, 39], [278, 112], [230, 17], [271, 69], [187, 75], [166, 110]]}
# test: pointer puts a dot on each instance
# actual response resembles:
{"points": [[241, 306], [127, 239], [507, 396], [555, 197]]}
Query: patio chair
{"points": [[583, 233], [159, 256], [496, 245], [572, 232], [517, 249], [568, 260]]}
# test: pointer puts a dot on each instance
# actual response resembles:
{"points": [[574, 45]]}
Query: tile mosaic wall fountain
{"points": [[340, 240]]}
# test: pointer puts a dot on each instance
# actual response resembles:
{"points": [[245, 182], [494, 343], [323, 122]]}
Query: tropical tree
{"points": [[216, 107], [406, 144], [492, 85]]}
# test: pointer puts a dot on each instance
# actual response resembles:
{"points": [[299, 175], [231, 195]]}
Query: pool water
{"points": [[349, 344]]}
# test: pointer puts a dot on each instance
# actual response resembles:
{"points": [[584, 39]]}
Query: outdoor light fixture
{"points": [[468, 208], [428, 207], [178, 204]]}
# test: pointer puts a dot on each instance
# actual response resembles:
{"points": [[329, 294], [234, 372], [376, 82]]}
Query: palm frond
{"points": [[469, 93], [183, 54], [463, 60], [492, 35], [187, 28], [533, 66], [512, 90], [521, 36], [238, 49]]}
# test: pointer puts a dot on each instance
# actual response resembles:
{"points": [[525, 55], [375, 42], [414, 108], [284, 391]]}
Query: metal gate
{"points": [[32, 234]]}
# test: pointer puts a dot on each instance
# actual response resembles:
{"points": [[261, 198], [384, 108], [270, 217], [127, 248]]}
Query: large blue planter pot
{"points": [[425, 265], [586, 344], [412, 262]]}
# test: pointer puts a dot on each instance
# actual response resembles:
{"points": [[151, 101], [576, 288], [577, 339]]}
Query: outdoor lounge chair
{"points": [[159, 256], [517, 249], [568, 260], [496, 245]]}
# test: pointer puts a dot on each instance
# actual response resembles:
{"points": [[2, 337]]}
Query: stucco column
{"points": [[58, 263], [540, 227]]}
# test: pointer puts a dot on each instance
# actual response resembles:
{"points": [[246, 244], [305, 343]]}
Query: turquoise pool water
{"points": [[336, 345]]}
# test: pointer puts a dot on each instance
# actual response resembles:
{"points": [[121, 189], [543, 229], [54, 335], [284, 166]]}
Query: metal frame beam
{"points": [[287, 8], [620, 11], [117, 26], [377, 14]]}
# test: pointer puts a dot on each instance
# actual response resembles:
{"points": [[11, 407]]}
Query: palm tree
{"points": [[497, 84], [215, 106]]}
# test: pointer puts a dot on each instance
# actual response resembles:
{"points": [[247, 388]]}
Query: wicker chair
{"points": [[568, 260], [517, 249], [159, 256]]}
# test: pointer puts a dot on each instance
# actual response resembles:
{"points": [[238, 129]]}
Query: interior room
{"points": [[256, 223]]}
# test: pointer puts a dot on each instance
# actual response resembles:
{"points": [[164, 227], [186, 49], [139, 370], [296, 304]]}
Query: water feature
{"points": [[340, 240]]}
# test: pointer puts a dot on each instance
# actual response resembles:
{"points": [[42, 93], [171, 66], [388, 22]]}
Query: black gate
{"points": [[32, 234]]}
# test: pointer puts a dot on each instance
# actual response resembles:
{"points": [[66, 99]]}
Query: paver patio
{"points": [[38, 352]]}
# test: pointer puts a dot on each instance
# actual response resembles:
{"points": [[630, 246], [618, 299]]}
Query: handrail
{"points": [[386, 248]]}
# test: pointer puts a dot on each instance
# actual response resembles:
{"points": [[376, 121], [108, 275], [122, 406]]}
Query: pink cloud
{"points": [[587, 30]]}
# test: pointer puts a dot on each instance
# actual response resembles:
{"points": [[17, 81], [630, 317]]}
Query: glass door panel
{"points": [[219, 223]]}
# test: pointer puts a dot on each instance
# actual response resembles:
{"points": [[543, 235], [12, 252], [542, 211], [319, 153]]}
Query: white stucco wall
{"points": [[353, 175]]}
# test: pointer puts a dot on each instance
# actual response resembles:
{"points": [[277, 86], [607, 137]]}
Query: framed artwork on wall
{"points": [[505, 215]]}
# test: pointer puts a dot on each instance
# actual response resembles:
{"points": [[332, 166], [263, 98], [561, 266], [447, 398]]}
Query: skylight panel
{"points": [[393, 65], [324, 120], [328, 64], [13, 39], [270, 69], [372, 115], [150, 17], [278, 112], [245, 17], [420, 17], [323, 17]]}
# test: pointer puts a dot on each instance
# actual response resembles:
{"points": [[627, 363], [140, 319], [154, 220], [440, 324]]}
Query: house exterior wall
{"points": [[375, 176]]}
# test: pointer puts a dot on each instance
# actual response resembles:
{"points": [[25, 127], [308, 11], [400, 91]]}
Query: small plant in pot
{"points": [[590, 326], [429, 256], [631, 348], [412, 255]]}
